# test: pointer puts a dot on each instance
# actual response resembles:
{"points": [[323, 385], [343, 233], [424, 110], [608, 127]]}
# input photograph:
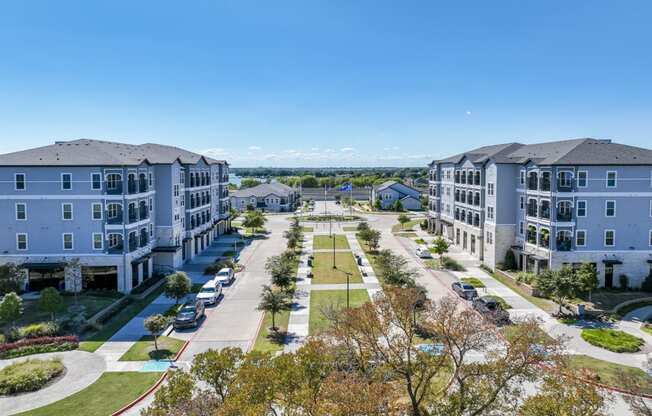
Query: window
{"points": [[176, 190], [490, 189], [611, 179], [610, 209], [21, 241], [582, 179], [580, 238], [609, 238], [522, 202], [98, 241], [490, 213], [649, 241], [581, 208], [21, 212], [150, 179], [67, 241], [96, 181], [97, 211], [520, 228], [19, 181], [66, 211], [151, 205], [490, 238], [522, 177], [66, 181], [151, 230]]}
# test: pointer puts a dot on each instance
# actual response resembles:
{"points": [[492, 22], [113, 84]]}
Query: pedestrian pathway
{"points": [[298, 325]]}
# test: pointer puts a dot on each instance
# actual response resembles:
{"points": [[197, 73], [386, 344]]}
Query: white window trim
{"points": [[62, 188], [93, 205], [522, 176], [649, 240], [577, 208], [604, 238], [650, 213], [92, 181], [606, 204], [16, 181], [101, 241], [72, 211], [615, 179], [63, 241], [585, 234], [16, 211], [26, 242], [586, 179]]}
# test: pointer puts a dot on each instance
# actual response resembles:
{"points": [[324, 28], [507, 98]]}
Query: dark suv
{"points": [[189, 315], [464, 290], [491, 309]]}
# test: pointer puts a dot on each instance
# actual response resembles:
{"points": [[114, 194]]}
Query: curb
{"points": [[152, 388]]}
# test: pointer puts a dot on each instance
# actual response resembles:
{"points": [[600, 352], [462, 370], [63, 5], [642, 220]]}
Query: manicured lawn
{"points": [[349, 229], [325, 242], [307, 229], [406, 234], [92, 305], [108, 394], [545, 304], [406, 227], [612, 340], [344, 261], [95, 340], [29, 375], [267, 341], [320, 300], [610, 373], [372, 259], [143, 349], [473, 281]]}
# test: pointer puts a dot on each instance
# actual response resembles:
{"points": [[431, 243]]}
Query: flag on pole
{"points": [[346, 187]]}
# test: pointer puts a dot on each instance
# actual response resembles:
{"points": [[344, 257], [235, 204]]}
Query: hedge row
{"points": [[37, 346]]}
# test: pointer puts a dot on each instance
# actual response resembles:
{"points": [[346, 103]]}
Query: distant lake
{"points": [[236, 180]]}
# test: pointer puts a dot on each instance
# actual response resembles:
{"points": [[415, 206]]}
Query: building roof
{"points": [[398, 187], [262, 190], [87, 152], [564, 152]]}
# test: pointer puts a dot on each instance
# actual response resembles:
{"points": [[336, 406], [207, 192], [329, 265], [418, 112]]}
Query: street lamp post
{"points": [[347, 288], [333, 237]]}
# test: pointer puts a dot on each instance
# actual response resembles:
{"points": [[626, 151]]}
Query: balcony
{"points": [[142, 186], [116, 249], [133, 217], [117, 219], [532, 184], [544, 211], [133, 244], [544, 184], [564, 184], [144, 213], [144, 240], [564, 216], [544, 239], [114, 189], [564, 244], [531, 210], [131, 187], [532, 236]]}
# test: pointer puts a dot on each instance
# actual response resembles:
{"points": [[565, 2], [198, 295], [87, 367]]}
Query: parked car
{"points": [[210, 293], [189, 315], [225, 276], [465, 290], [423, 252], [489, 308]]}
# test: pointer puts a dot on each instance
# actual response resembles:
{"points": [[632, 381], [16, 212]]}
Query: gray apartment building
{"points": [[113, 213], [268, 197], [552, 204]]}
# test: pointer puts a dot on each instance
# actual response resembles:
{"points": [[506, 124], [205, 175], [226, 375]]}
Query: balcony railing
{"points": [[564, 215], [131, 187], [564, 244], [133, 245], [532, 237], [132, 217], [144, 240], [544, 213], [544, 240], [114, 220], [565, 185], [142, 186], [119, 248]]}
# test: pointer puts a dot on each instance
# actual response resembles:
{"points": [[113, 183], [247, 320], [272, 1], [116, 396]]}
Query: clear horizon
{"points": [[325, 84]]}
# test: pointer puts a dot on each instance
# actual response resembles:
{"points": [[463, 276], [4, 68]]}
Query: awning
{"points": [[612, 261], [42, 266], [141, 259], [166, 249]]}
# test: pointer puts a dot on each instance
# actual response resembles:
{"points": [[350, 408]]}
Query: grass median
{"points": [[611, 374], [268, 341], [143, 349], [324, 300], [325, 242], [323, 271], [109, 393]]}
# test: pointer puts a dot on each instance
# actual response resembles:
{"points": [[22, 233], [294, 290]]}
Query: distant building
{"points": [[123, 211], [268, 197], [551, 204], [391, 191]]}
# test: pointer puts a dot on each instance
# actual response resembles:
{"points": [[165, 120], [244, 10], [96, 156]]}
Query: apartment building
{"points": [[552, 204], [268, 197], [108, 213]]}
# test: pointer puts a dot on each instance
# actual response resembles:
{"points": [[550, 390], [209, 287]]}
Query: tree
{"points": [[253, 220], [559, 395], [218, 369], [51, 301], [587, 277], [156, 324], [440, 247], [281, 268], [274, 301], [373, 239], [398, 206], [249, 183], [510, 260], [378, 204], [559, 285], [362, 226], [177, 286], [309, 182], [11, 278], [403, 219], [11, 308], [394, 269]]}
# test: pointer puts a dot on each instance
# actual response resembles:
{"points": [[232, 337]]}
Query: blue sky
{"points": [[325, 83]]}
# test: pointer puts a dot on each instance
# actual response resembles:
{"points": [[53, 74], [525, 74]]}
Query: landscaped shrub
{"points": [[114, 309], [510, 260], [37, 346], [612, 340], [41, 329], [451, 264], [147, 283], [220, 264], [526, 277], [624, 281], [647, 284], [29, 375]]}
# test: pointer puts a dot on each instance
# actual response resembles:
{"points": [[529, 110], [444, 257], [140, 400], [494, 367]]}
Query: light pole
{"points": [[333, 238], [347, 289]]}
